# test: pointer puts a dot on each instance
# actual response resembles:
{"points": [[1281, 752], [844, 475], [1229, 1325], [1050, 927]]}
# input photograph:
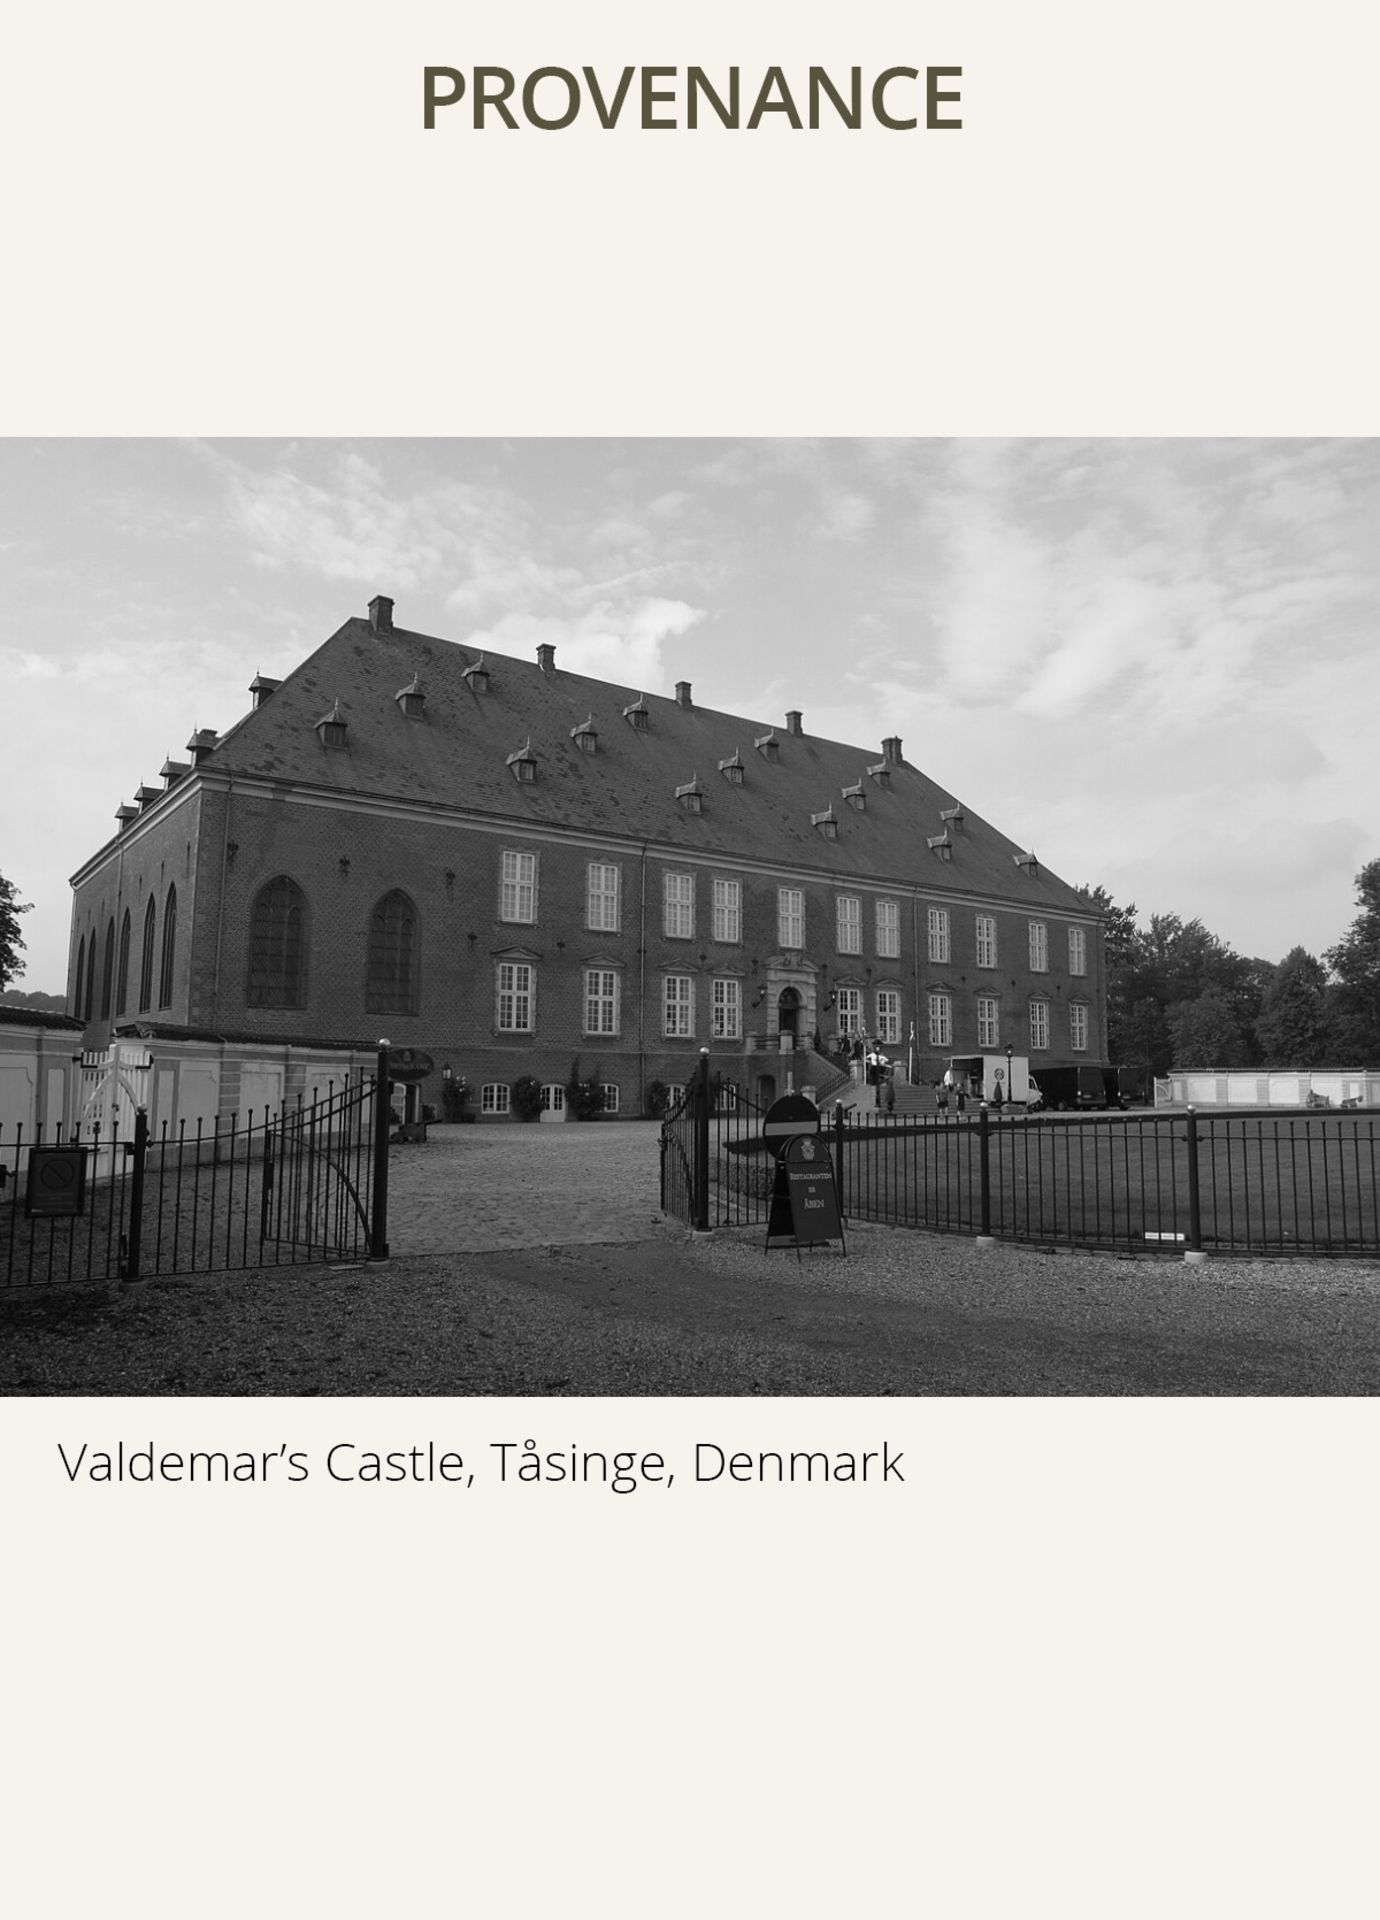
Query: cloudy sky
{"points": [[1152, 661]]}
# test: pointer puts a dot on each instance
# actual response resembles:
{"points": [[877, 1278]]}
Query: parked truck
{"points": [[980, 1074]]}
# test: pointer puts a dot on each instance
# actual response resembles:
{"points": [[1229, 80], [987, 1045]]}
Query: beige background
{"points": [[1093, 1658]]}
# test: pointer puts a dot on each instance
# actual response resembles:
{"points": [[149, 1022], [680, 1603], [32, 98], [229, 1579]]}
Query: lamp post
{"points": [[1010, 1090]]}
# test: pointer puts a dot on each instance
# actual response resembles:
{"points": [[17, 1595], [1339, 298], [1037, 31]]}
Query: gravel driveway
{"points": [[533, 1260]]}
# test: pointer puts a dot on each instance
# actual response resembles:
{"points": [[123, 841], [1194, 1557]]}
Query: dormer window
{"points": [[523, 763], [826, 823], [124, 813], [881, 773], [1028, 861], [856, 798], [411, 699], [768, 745], [732, 770], [331, 727], [476, 676], [172, 771], [637, 714], [586, 736], [952, 818], [691, 795], [940, 845]]}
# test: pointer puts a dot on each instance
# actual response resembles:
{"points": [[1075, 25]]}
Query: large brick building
{"points": [[515, 868]]}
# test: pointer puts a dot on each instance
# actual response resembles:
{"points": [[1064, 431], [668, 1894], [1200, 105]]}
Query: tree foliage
{"points": [[11, 941]]}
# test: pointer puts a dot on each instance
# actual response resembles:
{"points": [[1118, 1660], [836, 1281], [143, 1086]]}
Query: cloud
{"points": [[606, 641]]}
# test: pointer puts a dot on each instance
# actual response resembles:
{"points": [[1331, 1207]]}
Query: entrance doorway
{"points": [[788, 1013]]}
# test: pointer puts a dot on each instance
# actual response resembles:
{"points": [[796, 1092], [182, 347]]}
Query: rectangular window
{"points": [[1039, 1025], [1078, 1028], [727, 1010], [601, 1000], [888, 1016], [988, 1022], [728, 911], [1078, 950], [679, 898], [1039, 947], [679, 1007], [515, 992], [937, 920], [609, 1089], [790, 916], [986, 940], [888, 929], [601, 897], [941, 1020], [850, 1010], [494, 1097], [517, 899], [848, 915]]}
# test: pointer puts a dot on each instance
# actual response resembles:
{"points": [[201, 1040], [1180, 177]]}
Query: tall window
{"points": [[516, 984], [848, 916], [601, 1000], [1078, 1028], [122, 968], [678, 897], [1078, 950], [1039, 1025], [888, 1016], [937, 920], [517, 890], [1039, 947], [277, 946], [108, 969], [888, 929], [601, 897], [391, 986], [941, 1020], [146, 958], [728, 911], [168, 956], [727, 1010], [81, 977], [495, 1096], [850, 1010], [988, 1021], [790, 916], [986, 940], [679, 1006]]}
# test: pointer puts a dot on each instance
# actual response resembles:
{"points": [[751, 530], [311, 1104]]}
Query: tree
{"points": [[1206, 1032], [1355, 960], [11, 941], [1293, 1024]]}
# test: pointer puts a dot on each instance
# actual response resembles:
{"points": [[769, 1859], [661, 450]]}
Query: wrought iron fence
{"points": [[303, 1183], [1253, 1183]]}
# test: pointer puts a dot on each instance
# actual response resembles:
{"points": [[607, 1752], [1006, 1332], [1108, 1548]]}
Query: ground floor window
{"points": [[495, 1097], [941, 1020], [988, 1022], [850, 1010], [679, 1007], [1039, 1024], [553, 1098], [609, 1089], [1078, 1028], [728, 1010], [888, 1016]]}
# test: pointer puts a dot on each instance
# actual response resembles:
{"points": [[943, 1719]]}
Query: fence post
{"points": [[1195, 1209], [839, 1124], [700, 1118], [984, 1173], [134, 1241], [378, 1218]]}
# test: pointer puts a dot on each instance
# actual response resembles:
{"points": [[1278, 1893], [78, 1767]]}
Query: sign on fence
{"points": [[57, 1182]]}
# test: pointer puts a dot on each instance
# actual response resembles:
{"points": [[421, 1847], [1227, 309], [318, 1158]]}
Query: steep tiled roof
{"points": [[461, 753]]}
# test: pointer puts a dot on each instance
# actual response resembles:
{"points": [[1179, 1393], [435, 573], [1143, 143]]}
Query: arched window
{"points": [[88, 1005], [146, 959], [391, 986], [122, 969], [278, 946], [169, 954], [81, 976], [108, 969]]}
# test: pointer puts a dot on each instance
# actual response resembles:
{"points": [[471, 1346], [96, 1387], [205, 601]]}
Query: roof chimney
{"points": [[381, 613], [891, 750], [683, 694], [546, 657], [793, 724]]}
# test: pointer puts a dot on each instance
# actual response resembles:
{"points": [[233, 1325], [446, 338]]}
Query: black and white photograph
{"points": [[984, 813]]}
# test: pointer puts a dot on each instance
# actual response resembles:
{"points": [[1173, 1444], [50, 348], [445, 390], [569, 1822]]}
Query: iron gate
{"points": [[303, 1184]]}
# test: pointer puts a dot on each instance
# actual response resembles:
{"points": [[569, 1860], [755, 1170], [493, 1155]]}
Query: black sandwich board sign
{"points": [[804, 1201], [409, 1065]]}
